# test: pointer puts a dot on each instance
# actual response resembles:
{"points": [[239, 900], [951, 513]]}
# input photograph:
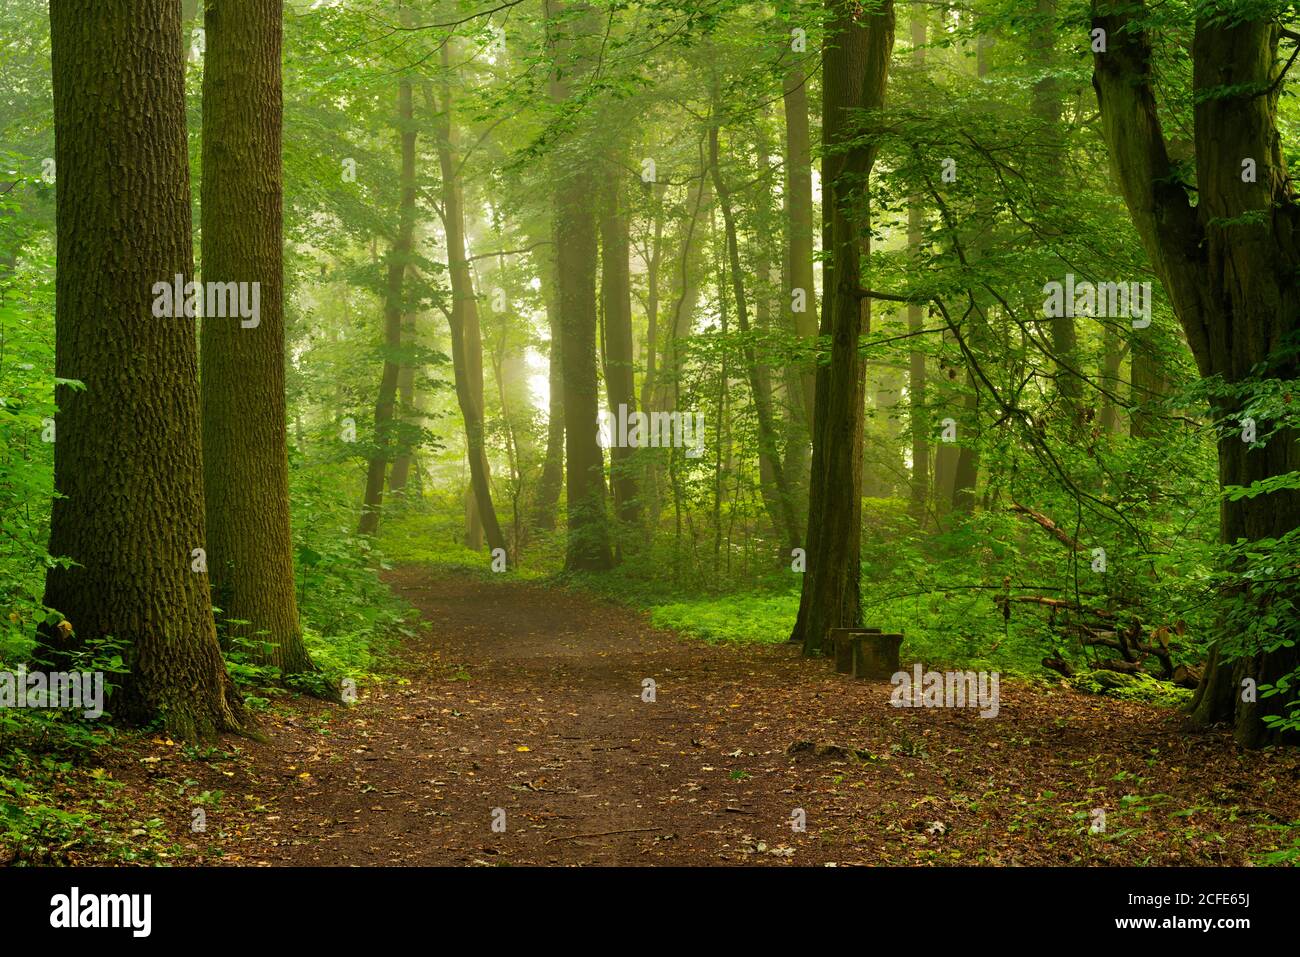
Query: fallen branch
{"points": [[1047, 525], [625, 830]]}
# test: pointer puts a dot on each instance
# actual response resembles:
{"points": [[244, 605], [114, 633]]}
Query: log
{"points": [[1059, 665]]}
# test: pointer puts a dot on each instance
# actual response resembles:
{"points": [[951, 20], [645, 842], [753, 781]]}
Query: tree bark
{"points": [[1047, 110], [855, 71], [588, 545], [401, 471], [246, 469], [1227, 263], [128, 467], [799, 212], [466, 338], [398, 258], [778, 499], [616, 296], [552, 478]]}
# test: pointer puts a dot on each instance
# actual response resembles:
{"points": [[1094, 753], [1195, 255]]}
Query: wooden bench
{"points": [[866, 653]]}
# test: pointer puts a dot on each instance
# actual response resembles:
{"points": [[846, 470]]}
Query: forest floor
{"points": [[530, 699]]}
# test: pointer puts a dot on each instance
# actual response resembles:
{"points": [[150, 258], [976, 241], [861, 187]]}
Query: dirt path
{"points": [[531, 701]]}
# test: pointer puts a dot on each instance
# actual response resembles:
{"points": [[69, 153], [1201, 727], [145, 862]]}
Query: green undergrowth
{"points": [[939, 590]]}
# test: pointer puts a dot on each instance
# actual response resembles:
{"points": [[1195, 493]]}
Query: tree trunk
{"points": [[1047, 110], [127, 464], [855, 71], [966, 460], [466, 339], [1112, 356], [588, 546], [552, 478], [799, 213], [1228, 264], [398, 258], [918, 414], [1148, 384], [616, 295], [778, 496], [245, 464], [401, 471]]}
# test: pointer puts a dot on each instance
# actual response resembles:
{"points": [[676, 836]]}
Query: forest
{"points": [[634, 432]]}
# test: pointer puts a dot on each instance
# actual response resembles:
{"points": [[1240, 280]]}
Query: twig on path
{"points": [[626, 830]]}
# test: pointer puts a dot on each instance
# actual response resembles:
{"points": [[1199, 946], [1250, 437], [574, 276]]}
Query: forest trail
{"points": [[529, 699]]}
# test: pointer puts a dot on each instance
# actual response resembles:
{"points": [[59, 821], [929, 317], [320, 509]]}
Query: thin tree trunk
{"points": [[918, 413], [1111, 358], [616, 295], [801, 378], [552, 478], [778, 497], [650, 493], [1148, 384], [466, 339], [407, 414], [799, 212], [398, 258], [1047, 110]]}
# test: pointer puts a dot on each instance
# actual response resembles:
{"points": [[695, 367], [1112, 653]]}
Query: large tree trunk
{"points": [[1227, 262], [398, 258], [466, 339], [616, 295], [855, 71], [245, 465], [588, 546], [128, 468]]}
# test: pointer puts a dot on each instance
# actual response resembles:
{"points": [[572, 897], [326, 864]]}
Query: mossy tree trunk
{"points": [[1228, 263], [128, 467], [245, 464], [855, 72], [574, 172]]}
